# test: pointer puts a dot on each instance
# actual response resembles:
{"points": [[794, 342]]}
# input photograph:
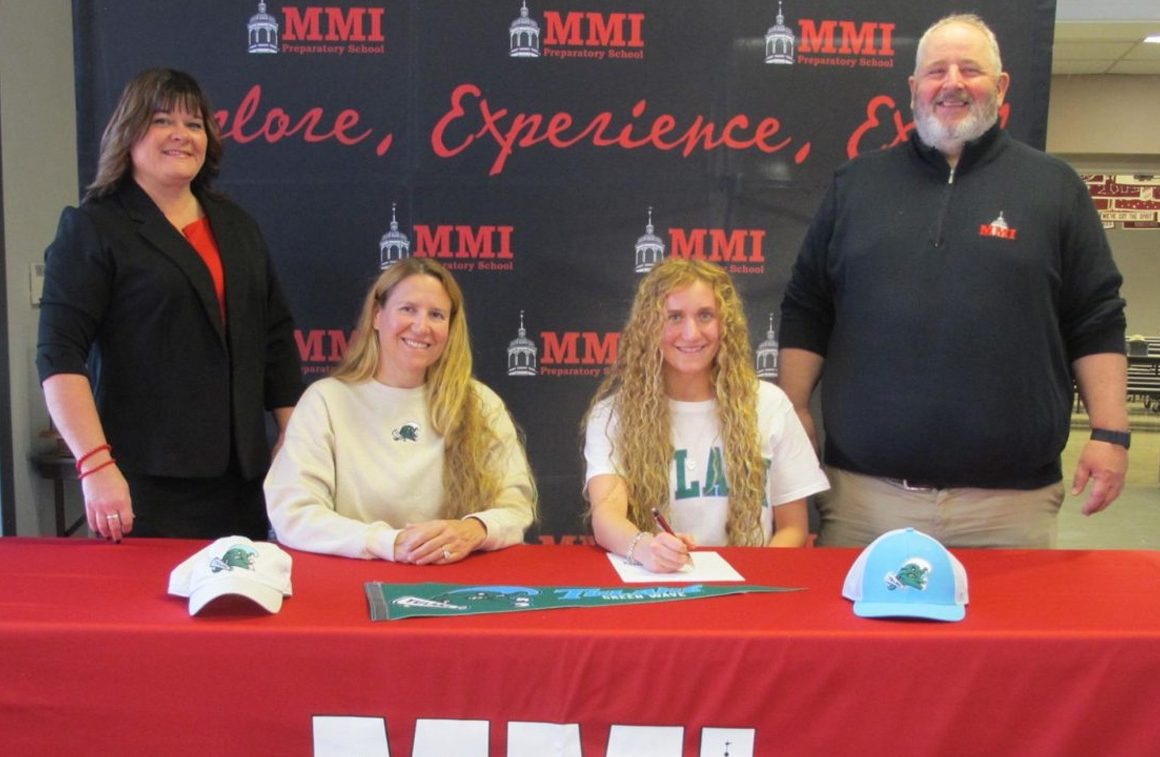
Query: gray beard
{"points": [[950, 140]]}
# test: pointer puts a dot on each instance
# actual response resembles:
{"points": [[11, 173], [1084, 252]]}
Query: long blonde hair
{"points": [[643, 440], [472, 467]]}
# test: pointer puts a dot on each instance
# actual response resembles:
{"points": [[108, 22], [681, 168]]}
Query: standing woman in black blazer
{"points": [[164, 335]]}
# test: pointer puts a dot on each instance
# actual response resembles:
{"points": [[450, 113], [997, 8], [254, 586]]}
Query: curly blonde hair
{"points": [[643, 439], [471, 465]]}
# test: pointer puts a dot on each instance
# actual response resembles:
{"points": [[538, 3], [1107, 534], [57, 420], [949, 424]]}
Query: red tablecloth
{"points": [[1059, 654]]}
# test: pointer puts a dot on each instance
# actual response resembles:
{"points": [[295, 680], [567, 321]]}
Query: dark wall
{"points": [[534, 177]]}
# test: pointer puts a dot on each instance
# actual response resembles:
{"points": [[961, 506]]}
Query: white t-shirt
{"points": [[360, 462], [699, 499]]}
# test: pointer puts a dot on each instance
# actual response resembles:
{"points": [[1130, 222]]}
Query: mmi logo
{"points": [[846, 37], [588, 29], [579, 347], [447, 241], [718, 245], [436, 737], [329, 24], [577, 353], [321, 349]]}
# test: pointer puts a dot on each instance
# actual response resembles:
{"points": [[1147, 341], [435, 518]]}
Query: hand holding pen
{"points": [[663, 523]]}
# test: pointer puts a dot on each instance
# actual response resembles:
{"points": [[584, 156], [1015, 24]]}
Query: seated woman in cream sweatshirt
{"points": [[401, 454]]}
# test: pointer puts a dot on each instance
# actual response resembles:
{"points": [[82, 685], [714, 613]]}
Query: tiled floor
{"points": [[1133, 520]]}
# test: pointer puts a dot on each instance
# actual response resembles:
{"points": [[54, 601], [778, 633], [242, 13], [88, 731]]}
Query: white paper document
{"points": [[707, 566]]}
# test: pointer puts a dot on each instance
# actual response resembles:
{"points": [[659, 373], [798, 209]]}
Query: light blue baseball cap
{"points": [[905, 573]]}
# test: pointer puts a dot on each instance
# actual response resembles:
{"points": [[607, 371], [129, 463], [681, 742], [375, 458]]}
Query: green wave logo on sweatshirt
{"points": [[408, 432]]}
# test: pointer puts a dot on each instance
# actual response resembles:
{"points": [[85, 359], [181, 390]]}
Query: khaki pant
{"points": [[858, 509]]}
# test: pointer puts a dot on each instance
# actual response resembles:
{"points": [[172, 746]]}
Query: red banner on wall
{"points": [[1132, 200]]}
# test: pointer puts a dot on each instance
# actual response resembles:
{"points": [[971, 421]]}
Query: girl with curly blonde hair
{"points": [[401, 454], [682, 424]]}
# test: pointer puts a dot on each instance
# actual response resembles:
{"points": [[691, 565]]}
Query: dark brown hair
{"points": [[157, 89]]}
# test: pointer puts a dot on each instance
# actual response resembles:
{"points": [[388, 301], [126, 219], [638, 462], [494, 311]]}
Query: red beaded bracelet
{"points": [[91, 471], [81, 460]]}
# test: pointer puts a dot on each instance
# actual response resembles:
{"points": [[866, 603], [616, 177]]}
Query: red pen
{"points": [[664, 524]]}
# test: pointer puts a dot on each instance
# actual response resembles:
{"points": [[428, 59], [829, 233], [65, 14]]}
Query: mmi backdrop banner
{"points": [[549, 152]]}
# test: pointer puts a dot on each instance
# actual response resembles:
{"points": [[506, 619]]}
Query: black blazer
{"points": [[128, 301]]}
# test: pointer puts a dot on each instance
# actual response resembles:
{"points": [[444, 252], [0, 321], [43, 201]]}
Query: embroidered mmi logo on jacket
{"points": [[998, 228]]}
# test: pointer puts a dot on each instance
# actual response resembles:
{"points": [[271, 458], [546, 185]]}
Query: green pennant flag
{"points": [[398, 601]]}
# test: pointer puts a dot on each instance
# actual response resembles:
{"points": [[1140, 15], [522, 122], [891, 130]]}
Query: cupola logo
{"points": [[524, 35], [767, 354], [649, 248], [779, 42], [522, 353], [263, 30], [394, 245]]}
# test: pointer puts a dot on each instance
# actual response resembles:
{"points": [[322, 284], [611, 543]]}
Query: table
{"points": [[1059, 654], [59, 468]]}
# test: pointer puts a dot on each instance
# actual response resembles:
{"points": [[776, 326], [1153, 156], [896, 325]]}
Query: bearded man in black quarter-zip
{"points": [[947, 294]]}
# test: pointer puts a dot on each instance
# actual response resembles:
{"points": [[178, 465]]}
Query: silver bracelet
{"points": [[628, 558]]}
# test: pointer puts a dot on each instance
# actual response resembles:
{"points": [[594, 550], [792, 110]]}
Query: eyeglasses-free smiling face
{"points": [[412, 326], [690, 341], [171, 152], [956, 90]]}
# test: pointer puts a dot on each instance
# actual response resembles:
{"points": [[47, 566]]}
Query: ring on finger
{"points": [[447, 553]]}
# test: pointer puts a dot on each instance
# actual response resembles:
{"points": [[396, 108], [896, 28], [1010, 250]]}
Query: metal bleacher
{"points": [[1144, 372]]}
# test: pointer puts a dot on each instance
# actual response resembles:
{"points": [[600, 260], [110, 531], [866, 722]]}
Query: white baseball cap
{"points": [[234, 565]]}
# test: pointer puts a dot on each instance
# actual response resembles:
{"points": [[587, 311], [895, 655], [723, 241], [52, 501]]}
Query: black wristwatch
{"points": [[1122, 438]]}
